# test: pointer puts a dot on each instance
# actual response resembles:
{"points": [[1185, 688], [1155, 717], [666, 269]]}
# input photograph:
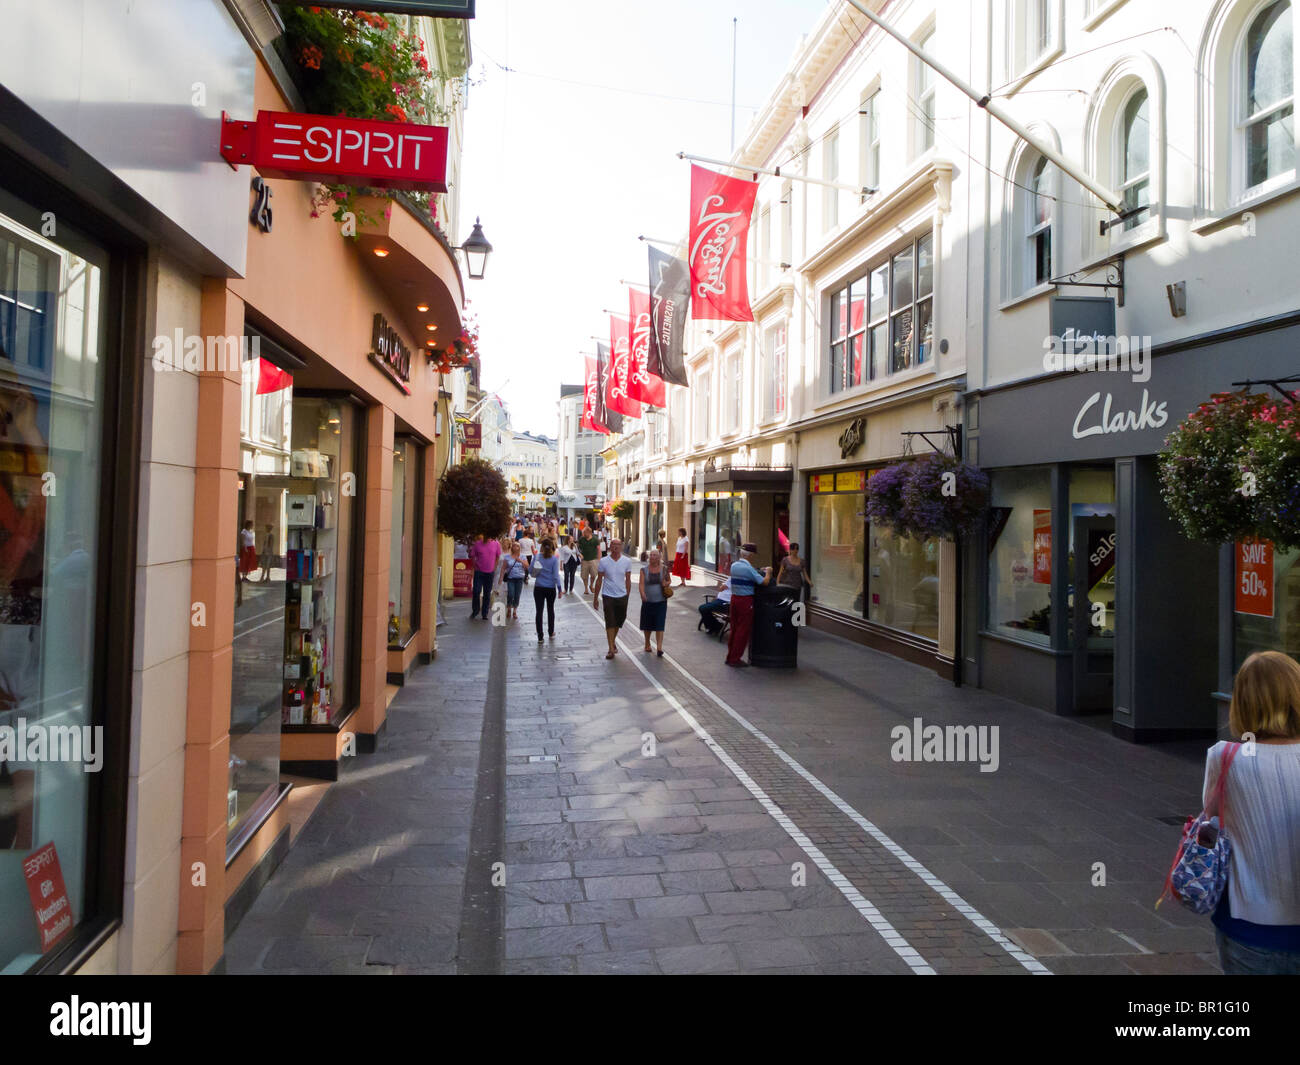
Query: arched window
{"points": [[1038, 218], [1134, 158], [1265, 123]]}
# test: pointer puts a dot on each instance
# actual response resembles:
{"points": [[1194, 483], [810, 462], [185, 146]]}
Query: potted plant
{"points": [[930, 497]]}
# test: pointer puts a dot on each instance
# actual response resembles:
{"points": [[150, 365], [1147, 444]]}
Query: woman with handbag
{"points": [[655, 586], [513, 572], [1257, 919]]}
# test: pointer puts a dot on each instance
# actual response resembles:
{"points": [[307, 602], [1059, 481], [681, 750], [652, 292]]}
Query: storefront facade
{"points": [[1076, 505]]}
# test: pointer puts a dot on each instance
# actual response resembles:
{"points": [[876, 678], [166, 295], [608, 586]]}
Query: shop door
{"points": [[1093, 614]]}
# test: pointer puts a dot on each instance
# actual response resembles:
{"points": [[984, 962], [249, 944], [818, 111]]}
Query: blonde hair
{"points": [[1266, 696]]}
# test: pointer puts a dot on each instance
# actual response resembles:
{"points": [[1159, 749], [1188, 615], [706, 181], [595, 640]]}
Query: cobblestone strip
{"points": [[953, 934]]}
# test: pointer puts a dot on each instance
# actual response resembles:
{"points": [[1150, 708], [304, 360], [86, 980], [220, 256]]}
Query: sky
{"points": [[566, 176]]}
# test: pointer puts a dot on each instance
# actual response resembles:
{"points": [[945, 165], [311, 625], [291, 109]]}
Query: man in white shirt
{"points": [[614, 577], [712, 612]]}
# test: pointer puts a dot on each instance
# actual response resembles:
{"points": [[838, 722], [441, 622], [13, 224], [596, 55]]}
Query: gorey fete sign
{"points": [[362, 151]]}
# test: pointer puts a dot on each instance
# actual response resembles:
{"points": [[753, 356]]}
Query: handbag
{"points": [[667, 590], [1199, 874]]}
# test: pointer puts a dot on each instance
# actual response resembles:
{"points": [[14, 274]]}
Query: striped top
{"points": [[744, 578]]}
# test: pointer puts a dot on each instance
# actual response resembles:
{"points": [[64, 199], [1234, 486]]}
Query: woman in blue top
{"points": [[547, 587], [513, 572]]}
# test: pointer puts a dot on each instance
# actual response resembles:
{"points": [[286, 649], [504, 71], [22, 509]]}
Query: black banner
{"points": [[610, 419], [670, 293]]}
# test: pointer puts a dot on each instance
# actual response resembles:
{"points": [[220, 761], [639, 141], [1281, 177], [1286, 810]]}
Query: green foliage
{"points": [[472, 499], [624, 509]]}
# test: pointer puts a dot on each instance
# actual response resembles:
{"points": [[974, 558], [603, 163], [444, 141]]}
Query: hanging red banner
{"points": [[720, 211], [329, 149], [643, 385], [270, 378], [591, 383], [618, 396]]}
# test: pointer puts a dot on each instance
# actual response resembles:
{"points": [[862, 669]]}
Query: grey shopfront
{"points": [[1084, 595]]}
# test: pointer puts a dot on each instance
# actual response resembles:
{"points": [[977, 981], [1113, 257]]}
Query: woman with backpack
{"points": [[547, 588], [1257, 921]]}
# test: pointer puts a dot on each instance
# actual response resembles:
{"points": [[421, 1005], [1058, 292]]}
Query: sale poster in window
{"points": [[1042, 547], [1255, 578]]}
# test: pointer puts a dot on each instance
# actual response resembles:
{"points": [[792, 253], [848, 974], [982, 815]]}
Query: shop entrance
{"points": [[1092, 620]]}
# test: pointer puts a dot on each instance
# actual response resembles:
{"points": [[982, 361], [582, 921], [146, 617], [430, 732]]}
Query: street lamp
{"points": [[476, 249]]}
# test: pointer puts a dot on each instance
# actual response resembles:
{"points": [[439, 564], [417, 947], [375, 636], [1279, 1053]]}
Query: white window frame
{"points": [[1030, 45], [733, 396], [924, 89], [776, 361], [830, 172], [702, 418], [869, 154], [765, 248], [1124, 182], [1241, 122]]}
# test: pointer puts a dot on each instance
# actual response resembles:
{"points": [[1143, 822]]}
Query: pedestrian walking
{"points": [[527, 548], [614, 579], [589, 549], [744, 578], [682, 560], [547, 588], [1257, 922], [654, 602], [661, 542], [513, 572], [268, 552], [570, 559], [793, 571], [484, 553]]}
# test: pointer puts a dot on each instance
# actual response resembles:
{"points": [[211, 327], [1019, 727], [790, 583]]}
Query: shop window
{"points": [[1269, 623], [1092, 495], [1020, 555], [707, 548], [53, 319], [903, 582], [1134, 157], [836, 551], [882, 322], [404, 554]]}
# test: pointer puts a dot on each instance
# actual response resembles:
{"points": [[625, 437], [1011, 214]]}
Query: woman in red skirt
{"points": [[682, 560], [247, 551]]}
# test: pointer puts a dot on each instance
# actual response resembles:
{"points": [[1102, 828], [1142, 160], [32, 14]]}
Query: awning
{"points": [[746, 479]]}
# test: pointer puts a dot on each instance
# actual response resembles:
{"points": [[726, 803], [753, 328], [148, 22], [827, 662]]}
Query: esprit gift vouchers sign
{"points": [[354, 151]]}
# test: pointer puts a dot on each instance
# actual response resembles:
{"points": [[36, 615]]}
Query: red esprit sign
{"points": [[48, 894], [362, 151], [1255, 578]]}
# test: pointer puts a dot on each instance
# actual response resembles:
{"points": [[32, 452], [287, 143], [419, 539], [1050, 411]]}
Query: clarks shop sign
{"points": [[1103, 414], [389, 353]]}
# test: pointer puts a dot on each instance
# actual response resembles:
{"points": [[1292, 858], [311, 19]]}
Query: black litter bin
{"points": [[775, 641]]}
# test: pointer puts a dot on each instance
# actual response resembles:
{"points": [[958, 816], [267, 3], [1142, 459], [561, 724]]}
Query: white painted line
{"points": [[901, 947], [944, 891]]}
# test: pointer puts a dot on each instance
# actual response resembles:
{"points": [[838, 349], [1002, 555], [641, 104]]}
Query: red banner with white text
{"points": [[618, 396], [720, 211], [590, 404], [643, 385]]}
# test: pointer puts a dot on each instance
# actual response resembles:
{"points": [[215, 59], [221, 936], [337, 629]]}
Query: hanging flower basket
{"points": [[931, 497], [460, 352], [623, 508], [1274, 458], [1223, 470]]}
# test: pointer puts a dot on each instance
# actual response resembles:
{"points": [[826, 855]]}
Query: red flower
{"points": [[396, 112]]}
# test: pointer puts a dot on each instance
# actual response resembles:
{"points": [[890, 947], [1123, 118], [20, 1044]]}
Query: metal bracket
{"points": [[236, 140], [1275, 383], [952, 432], [1114, 278]]}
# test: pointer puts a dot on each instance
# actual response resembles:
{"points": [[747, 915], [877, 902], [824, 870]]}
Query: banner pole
{"points": [[857, 190]]}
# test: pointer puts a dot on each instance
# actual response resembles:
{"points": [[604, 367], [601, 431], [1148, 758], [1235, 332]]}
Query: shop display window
{"points": [[1092, 495], [1267, 614], [903, 582], [836, 551], [707, 548], [53, 323], [1020, 555], [403, 568]]}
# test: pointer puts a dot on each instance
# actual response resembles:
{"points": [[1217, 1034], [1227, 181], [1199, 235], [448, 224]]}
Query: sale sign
{"points": [[48, 894], [1254, 578], [1042, 547], [350, 151]]}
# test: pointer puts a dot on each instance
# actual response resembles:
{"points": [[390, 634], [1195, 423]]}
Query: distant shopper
{"points": [[654, 607], [661, 542], [682, 560], [570, 560], [589, 549], [513, 572], [744, 579], [793, 572], [715, 611], [268, 552], [485, 552], [1257, 922], [547, 588], [527, 547], [247, 550], [614, 579]]}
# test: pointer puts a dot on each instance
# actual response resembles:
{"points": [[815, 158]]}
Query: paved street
{"points": [[696, 818]]}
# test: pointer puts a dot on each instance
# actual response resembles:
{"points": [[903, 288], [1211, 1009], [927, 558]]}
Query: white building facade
{"points": [[580, 485]]}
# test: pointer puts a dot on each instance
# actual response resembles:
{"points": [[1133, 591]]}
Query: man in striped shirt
{"points": [[745, 577]]}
